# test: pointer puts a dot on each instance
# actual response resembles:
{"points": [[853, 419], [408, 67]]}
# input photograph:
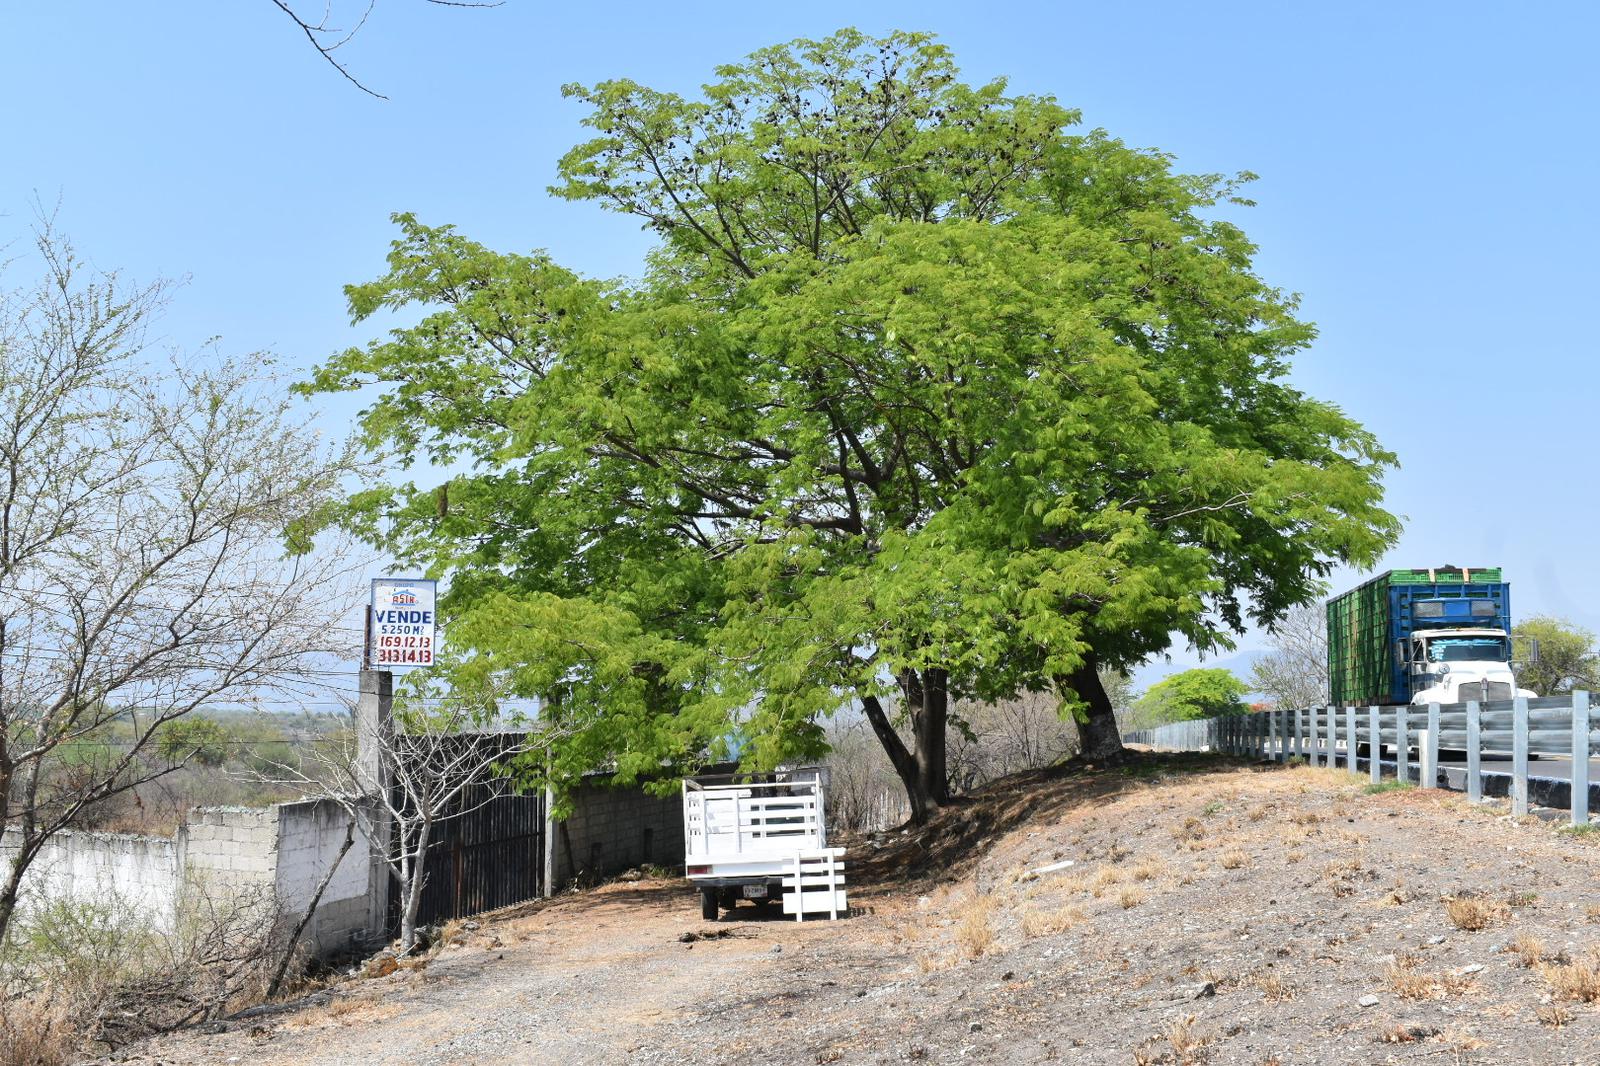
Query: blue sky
{"points": [[1426, 179]]}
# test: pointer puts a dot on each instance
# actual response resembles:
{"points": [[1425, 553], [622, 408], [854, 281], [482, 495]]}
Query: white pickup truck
{"points": [[762, 837]]}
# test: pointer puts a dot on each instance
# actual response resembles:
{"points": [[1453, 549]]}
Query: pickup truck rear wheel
{"points": [[708, 904]]}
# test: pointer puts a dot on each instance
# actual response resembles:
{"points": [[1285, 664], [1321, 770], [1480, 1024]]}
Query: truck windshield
{"points": [[1467, 649]]}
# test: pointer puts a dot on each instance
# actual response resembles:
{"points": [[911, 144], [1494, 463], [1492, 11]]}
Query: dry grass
{"points": [[1233, 859], [33, 1033], [1527, 948], [1407, 983], [1473, 913], [974, 928], [1131, 897], [1105, 878], [1148, 870], [1037, 923], [1578, 981], [1294, 857], [1592, 912], [1191, 828]]}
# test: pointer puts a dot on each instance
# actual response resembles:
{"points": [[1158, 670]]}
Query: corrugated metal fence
{"points": [[1347, 736]]}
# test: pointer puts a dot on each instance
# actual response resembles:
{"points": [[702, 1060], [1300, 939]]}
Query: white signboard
{"points": [[403, 621]]}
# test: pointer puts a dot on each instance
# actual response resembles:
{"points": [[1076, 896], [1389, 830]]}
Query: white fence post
{"points": [[1402, 743], [1350, 739], [1374, 744], [1298, 717], [1519, 756], [1580, 758], [1430, 749], [1272, 733], [1474, 752]]}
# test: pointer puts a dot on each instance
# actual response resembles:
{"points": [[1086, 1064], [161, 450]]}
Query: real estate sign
{"points": [[403, 621]]}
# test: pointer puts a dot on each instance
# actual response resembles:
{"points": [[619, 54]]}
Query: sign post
{"points": [[403, 622]]}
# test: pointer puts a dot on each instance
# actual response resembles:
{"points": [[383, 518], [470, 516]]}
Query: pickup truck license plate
{"points": [[755, 891]]}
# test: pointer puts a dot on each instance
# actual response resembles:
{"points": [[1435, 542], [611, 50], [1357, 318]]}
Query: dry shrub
{"points": [[1592, 912], [1578, 980], [112, 978], [1185, 1042], [1398, 896], [1233, 859], [1527, 948], [1192, 828], [1130, 897], [1274, 989], [1554, 1015], [1294, 856], [1148, 870], [974, 930], [1472, 913], [1306, 818], [1036, 923], [1118, 851], [1407, 983]]}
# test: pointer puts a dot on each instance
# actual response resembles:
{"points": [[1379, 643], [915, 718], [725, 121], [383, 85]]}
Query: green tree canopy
{"points": [[200, 740], [922, 394], [1567, 657], [1204, 692]]}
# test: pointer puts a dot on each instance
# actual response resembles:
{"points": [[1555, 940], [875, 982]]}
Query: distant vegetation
{"points": [[208, 758]]}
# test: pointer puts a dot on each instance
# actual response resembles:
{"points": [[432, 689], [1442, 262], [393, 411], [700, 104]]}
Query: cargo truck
{"points": [[1441, 635]]}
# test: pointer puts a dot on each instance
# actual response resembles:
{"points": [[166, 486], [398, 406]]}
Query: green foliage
{"points": [[194, 739], [918, 379], [1567, 656], [1393, 784], [1203, 692]]}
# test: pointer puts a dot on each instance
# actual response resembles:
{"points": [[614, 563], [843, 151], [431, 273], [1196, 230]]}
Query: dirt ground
{"points": [[1215, 912]]}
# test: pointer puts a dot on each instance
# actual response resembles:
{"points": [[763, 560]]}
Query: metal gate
{"points": [[490, 856]]}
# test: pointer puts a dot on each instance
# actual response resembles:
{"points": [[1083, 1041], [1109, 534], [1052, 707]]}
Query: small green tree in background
{"points": [[1204, 692], [198, 740], [1567, 657]]}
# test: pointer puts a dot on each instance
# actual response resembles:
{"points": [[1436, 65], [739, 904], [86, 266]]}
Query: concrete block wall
{"points": [[309, 835], [122, 870], [612, 829], [234, 848]]}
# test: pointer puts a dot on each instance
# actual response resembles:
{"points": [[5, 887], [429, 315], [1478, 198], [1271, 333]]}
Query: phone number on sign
{"points": [[388, 640]]}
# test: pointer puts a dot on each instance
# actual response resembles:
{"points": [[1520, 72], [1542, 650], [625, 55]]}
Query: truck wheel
{"points": [[708, 904]]}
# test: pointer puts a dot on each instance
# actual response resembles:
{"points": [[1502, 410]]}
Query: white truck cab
{"points": [[1457, 665]]}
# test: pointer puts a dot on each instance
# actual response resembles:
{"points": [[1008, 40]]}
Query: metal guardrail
{"points": [[1331, 736]]}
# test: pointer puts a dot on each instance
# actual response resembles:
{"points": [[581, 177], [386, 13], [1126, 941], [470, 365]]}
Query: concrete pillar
{"points": [[374, 730]]}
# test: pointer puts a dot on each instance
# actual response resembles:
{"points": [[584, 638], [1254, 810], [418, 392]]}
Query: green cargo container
{"points": [[1365, 623]]}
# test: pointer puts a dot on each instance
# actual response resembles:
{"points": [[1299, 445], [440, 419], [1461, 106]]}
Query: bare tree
{"points": [[145, 526], [991, 740], [1295, 673], [401, 779]]}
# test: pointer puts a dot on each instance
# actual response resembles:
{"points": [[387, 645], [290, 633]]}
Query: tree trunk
{"points": [[1101, 739], [930, 715], [921, 768], [408, 916]]}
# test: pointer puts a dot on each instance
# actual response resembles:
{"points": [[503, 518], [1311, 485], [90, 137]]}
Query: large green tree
{"points": [[921, 395]]}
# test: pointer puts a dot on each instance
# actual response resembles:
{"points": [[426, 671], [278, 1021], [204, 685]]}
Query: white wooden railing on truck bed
{"points": [[1331, 736], [743, 821]]}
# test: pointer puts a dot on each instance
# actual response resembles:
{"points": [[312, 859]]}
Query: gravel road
{"points": [[1214, 913]]}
